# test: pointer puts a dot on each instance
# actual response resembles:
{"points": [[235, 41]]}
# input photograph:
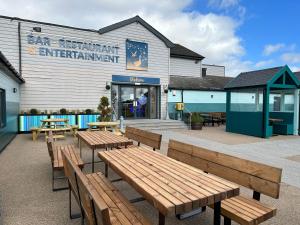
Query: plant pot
{"points": [[196, 126]]}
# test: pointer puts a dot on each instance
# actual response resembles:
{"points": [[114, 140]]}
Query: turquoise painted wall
{"points": [[197, 101], [249, 123], [8, 132]]}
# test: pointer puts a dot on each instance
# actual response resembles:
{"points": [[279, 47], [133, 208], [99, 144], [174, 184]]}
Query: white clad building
{"points": [[130, 62]]}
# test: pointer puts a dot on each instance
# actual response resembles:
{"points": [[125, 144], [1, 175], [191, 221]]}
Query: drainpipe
{"points": [[296, 112], [20, 48]]}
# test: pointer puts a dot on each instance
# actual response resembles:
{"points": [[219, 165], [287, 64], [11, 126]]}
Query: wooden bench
{"points": [[99, 200], [256, 176], [145, 137], [55, 153], [35, 132]]}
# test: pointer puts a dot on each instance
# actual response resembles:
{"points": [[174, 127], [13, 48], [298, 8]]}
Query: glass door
{"points": [[138, 102], [142, 102], [127, 101]]}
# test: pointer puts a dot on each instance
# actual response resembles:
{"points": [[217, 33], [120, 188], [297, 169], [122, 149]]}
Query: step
{"points": [[156, 124]]}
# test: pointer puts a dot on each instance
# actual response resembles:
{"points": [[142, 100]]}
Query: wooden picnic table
{"points": [[104, 125], [54, 122], [173, 187], [101, 139]]}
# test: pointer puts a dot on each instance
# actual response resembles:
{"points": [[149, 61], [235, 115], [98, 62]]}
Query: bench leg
{"points": [[227, 221], [161, 219], [57, 178], [217, 213], [72, 216], [106, 170]]}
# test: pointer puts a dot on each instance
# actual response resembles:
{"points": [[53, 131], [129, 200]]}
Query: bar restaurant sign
{"points": [[72, 49]]}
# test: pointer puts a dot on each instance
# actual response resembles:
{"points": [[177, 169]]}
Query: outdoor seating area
{"points": [[180, 184]]}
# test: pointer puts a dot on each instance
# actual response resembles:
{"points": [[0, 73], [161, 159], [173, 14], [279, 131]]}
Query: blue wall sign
{"points": [[136, 55], [72, 49], [133, 80]]}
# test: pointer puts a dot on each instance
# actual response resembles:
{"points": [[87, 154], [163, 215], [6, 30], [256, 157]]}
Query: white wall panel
{"points": [[214, 70], [185, 67], [53, 83]]}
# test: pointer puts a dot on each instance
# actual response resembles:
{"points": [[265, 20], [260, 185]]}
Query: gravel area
{"points": [[26, 197]]}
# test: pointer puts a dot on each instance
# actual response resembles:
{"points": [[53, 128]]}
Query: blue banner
{"points": [[133, 79]]}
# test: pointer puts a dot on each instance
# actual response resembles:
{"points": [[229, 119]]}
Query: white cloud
{"points": [[263, 63], [270, 49], [295, 68], [291, 58], [223, 4], [212, 35]]}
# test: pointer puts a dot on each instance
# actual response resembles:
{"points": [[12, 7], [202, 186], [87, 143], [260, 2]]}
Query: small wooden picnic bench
{"points": [[256, 176], [148, 138], [55, 153], [99, 200]]}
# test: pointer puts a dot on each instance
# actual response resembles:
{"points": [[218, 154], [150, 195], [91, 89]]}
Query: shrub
{"points": [[63, 111], [34, 111], [89, 111], [104, 109], [197, 118]]}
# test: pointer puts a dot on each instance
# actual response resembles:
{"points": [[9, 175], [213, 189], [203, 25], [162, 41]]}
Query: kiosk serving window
{"points": [[2, 108]]}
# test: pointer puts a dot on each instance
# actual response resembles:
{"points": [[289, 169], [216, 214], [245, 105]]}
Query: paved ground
{"points": [[25, 181]]}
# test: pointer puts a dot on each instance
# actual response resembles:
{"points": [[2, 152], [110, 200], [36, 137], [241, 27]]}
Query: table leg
{"points": [[161, 219], [106, 170], [80, 148], [217, 213], [93, 161]]}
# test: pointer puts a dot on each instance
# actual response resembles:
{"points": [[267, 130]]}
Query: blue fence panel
{"points": [[28, 121], [83, 120]]}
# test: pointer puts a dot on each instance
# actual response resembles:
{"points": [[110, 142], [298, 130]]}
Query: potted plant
{"points": [[88, 111], [196, 121], [63, 111], [33, 111], [104, 109]]}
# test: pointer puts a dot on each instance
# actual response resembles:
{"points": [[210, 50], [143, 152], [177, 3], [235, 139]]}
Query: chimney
{"points": [[204, 72]]}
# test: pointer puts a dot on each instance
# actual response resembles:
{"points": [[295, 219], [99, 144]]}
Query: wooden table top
{"points": [[169, 185], [54, 120], [103, 139], [104, 124]]}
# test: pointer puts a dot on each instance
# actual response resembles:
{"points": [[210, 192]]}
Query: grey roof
{"points": [[7, 64], [297, 74], [137, 19], [253, 78], [198, 83], [180, 51]]}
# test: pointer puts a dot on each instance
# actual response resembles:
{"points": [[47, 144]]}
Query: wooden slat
{"points": [[192, 155], [263, 171], [145, 137], [102, 139], [133, 177], [165, 182], [246, 211]]}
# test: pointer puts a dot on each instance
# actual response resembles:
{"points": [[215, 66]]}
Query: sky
{"points": [[242, 35]]}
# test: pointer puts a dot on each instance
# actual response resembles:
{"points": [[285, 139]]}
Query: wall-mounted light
{"points": [[15, 90], [174, 92], [107, 86], [37, 29], [165, 87]]}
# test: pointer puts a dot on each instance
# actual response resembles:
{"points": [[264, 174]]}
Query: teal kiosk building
{"points": [[263, 103]]}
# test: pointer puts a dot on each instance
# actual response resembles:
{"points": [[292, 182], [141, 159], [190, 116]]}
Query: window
{"points": [[2, 108]]}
